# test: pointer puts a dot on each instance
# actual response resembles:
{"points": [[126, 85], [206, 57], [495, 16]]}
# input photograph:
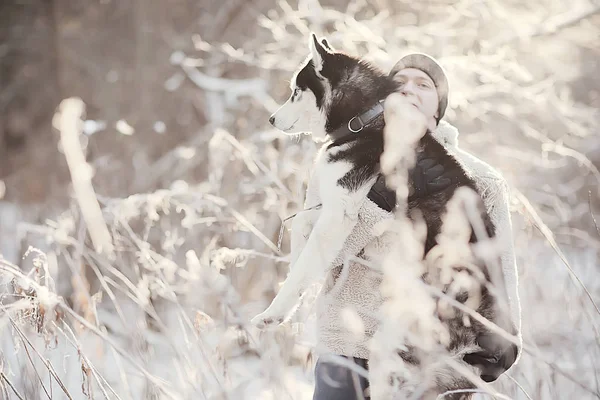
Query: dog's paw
{"points": [[266, 320]]}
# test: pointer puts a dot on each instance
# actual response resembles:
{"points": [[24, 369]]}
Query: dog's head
{"points": [[327, 91]]}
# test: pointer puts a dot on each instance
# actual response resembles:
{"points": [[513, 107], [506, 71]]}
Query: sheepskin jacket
{"points": [[358, 286]]}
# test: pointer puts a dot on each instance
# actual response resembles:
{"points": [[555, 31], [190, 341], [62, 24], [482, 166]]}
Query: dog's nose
{"points": [[272, 120]]}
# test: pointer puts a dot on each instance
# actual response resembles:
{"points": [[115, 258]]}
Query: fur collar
{"points": [[446, 134]]}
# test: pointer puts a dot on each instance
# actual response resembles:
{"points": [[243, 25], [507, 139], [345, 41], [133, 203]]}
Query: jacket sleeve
{"points": [[500, 210]]}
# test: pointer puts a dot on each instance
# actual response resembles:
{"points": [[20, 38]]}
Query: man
{"points": [[356, 291]]}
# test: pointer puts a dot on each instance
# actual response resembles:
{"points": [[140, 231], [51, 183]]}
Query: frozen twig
{"points": [[88, 364], [160, 384], [582, 159], [47, 363], [252, 162], [545, 231], [244, 221], [35, 369], [233, 88], [472, 391], [4, 267], [484, 387], [554, 24], [592, 212], [519, 386], [550, 26], [5, 379], [70, 116]]}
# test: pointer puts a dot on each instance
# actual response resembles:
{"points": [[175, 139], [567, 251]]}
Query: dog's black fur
{"points": [[356, 86]]}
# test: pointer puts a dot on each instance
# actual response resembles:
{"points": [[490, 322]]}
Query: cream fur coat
{"points": [[358, 288]]}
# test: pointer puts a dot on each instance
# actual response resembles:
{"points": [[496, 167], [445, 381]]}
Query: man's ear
{"points": [[318, 51]]}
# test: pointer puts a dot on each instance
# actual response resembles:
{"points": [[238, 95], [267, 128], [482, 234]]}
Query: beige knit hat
{"points": [[432, 68]]}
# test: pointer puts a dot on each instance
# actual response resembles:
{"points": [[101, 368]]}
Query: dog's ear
{"points": [[326, 44], [319, 52]]}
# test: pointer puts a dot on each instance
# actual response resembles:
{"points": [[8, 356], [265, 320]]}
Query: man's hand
{"points": [[427, 177], [495, 358]]}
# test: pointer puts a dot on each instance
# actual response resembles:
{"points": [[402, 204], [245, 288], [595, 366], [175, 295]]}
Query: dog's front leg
{"points": [[324, 244], [302, 226]]}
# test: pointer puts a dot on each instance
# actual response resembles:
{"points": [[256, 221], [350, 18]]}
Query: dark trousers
{"points": [[336, 382]]}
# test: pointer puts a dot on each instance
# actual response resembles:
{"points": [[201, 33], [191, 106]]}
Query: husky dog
{"points": [[327, 92], [338, 99]]}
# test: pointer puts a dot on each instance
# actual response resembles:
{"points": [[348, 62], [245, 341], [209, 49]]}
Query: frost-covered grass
{"points": [[140, 325]]}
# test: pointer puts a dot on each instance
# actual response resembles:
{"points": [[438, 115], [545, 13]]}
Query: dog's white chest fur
{"points": [[330, 192]]}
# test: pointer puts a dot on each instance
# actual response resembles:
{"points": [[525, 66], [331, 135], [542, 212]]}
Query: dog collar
{"points": [[357, 123]]}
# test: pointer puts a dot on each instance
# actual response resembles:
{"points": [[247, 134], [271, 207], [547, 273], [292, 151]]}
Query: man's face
{"points": [[420, 90]]}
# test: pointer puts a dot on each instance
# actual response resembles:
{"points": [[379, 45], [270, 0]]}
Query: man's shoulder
{"points": [[491, 182], [447, 135]]}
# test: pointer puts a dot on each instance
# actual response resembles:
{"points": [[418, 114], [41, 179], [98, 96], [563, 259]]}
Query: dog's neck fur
{"points": [[375, 86]]}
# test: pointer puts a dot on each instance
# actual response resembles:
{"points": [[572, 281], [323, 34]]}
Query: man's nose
{"points": [[408, 88]]}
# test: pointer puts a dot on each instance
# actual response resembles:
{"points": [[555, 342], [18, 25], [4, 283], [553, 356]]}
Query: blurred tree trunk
{"points": [[29, 95]]}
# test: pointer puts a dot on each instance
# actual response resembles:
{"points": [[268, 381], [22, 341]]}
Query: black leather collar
{"points": [[357, 123]]}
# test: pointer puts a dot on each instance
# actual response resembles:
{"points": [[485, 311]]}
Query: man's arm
{"points": [[496, 195], [498, 355]]}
